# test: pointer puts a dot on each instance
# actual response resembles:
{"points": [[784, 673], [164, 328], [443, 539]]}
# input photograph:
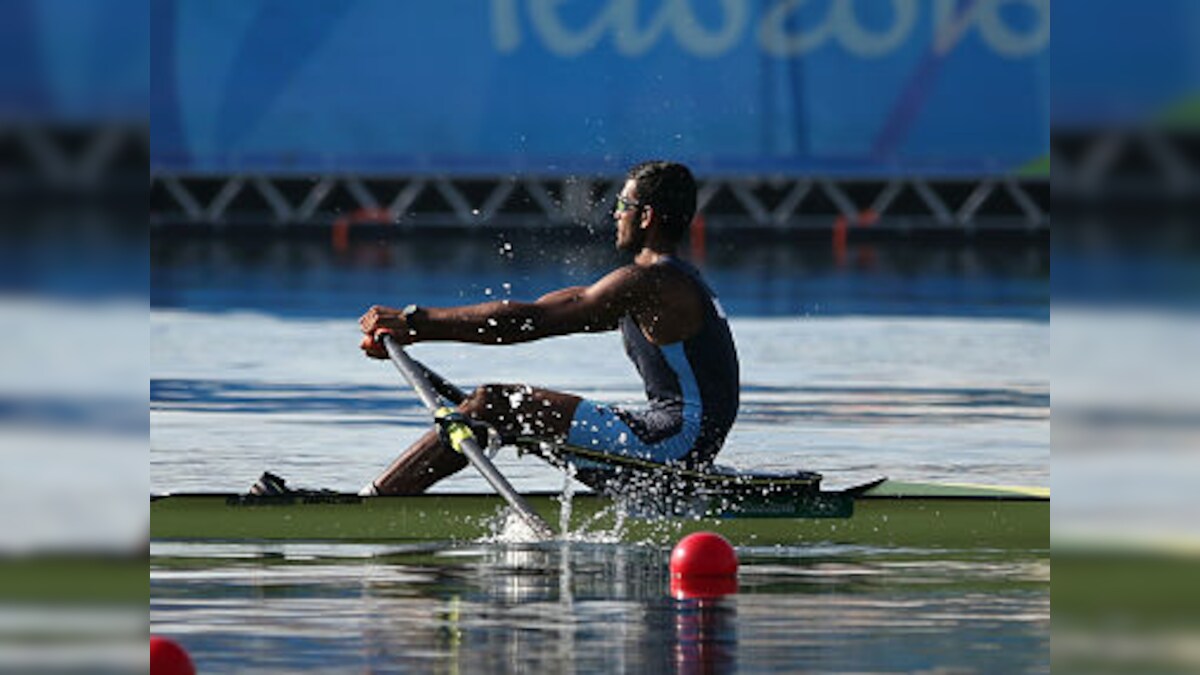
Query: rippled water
{"points": [[599, 608], [925, 368]]}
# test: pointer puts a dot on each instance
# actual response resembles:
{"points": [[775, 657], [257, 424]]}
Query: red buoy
{"points": [[168, 658], [703, 565]]}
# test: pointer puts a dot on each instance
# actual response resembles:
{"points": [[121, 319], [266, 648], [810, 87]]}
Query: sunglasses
{"points": [[624, 205]]}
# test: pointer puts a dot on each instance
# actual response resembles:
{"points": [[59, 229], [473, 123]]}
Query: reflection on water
{"points": [[568, 608], [755, 275], [763, 404]]}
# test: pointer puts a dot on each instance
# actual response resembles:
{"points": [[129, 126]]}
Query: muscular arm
{"points": [[579, 309]]}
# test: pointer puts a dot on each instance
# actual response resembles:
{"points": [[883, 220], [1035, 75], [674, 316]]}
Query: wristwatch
{"points": [[410, 314]]}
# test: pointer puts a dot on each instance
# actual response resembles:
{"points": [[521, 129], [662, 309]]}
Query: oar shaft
{"points": [[417, 376], [447, 389], [412, 372]]}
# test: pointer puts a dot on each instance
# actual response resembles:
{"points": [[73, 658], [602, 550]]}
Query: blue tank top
{"points": [[694, 380]]}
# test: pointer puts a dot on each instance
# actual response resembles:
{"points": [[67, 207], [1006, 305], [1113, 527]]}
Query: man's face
{"points": [[628, 214]]}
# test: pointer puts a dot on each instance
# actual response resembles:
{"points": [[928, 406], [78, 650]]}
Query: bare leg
{"points": [[513, 410], [424, 463]]}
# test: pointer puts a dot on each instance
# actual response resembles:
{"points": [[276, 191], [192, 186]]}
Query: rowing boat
{"points": [[659, 503], [885, 513]]}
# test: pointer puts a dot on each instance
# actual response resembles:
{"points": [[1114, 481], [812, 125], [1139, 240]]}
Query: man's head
{"points": [[656, 194]]}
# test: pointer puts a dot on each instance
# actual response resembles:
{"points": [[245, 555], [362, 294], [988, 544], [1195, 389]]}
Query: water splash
{"points": [[565, 500], [511, 528]]}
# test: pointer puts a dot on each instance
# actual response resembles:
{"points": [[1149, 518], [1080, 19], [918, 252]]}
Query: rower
{"points": [[674, 331]]}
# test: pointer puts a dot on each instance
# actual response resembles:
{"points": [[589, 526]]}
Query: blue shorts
{"points": [[655, 434]]}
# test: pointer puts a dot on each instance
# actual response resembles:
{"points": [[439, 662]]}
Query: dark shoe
{"points": [[269, 484]]}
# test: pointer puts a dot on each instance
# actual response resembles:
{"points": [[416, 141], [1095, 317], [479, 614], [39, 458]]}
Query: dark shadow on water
{"points": [[755, 275], [761, 404], [885, 405], [264, 397]]}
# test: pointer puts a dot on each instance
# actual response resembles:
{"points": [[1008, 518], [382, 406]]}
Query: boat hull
{"points": [[894, 514]]}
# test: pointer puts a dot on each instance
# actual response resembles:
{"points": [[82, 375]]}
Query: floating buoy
{"points": [[703, 565], [168, 658]]}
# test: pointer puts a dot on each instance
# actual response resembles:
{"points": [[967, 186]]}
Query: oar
{"points": [[448, 390], [462, 437]]}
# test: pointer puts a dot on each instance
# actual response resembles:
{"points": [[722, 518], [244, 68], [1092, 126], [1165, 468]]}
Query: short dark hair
{"points": [[670, 188]]}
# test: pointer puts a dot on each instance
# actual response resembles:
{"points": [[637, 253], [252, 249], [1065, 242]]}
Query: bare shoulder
{"points": [[670, 304], [631, 273], [628, 280], [654, 275]]}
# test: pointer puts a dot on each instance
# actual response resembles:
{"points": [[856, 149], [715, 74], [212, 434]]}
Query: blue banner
{"points": [[74, 61], [1126, 63], [855, 87]]}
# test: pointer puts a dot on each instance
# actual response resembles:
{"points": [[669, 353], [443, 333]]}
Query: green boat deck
{"points": [[891, 514]]}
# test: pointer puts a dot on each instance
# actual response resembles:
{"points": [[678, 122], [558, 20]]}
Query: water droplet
{"points": [[514, 399]]}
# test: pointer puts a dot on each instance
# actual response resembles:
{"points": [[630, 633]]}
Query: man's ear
{"points": [[647, 217]]}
